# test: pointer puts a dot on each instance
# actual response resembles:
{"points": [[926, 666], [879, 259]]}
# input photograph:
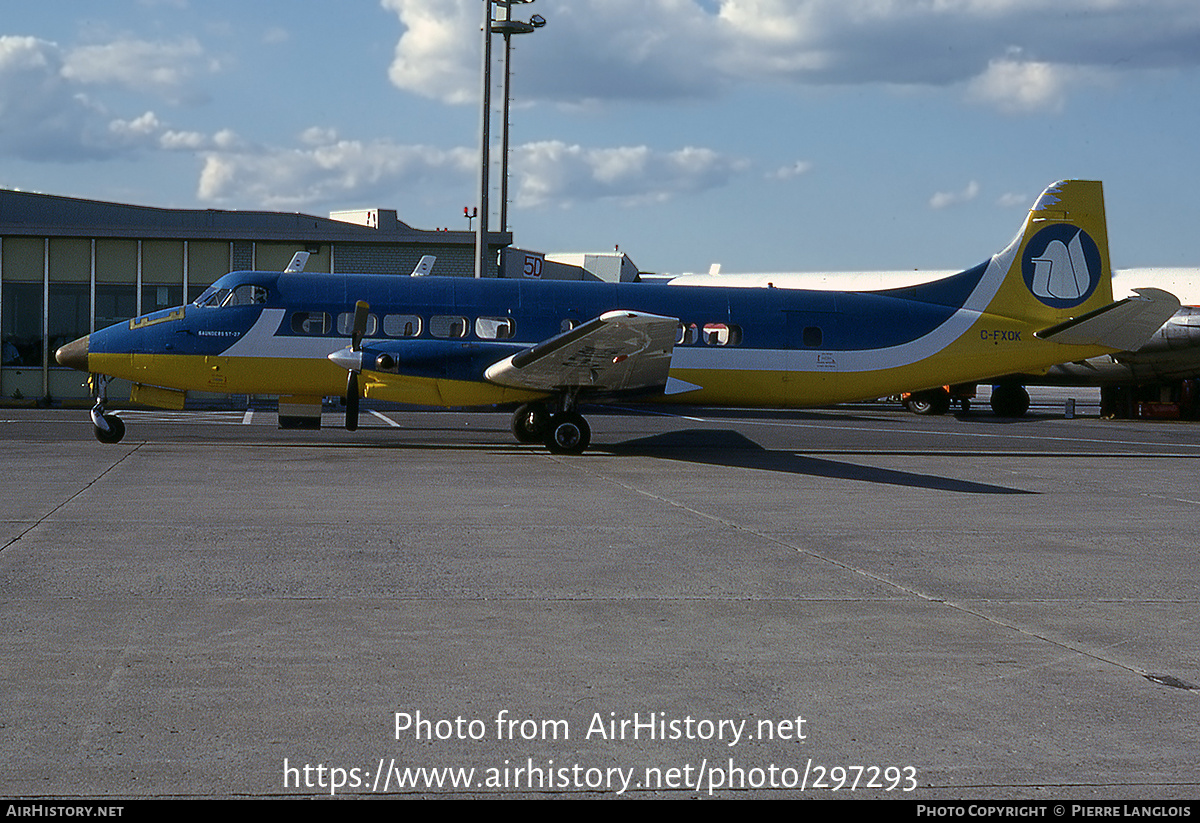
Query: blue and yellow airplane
{"points": [[547, 347]]}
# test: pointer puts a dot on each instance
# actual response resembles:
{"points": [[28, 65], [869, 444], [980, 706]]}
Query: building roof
{"points": [[45, 215]]}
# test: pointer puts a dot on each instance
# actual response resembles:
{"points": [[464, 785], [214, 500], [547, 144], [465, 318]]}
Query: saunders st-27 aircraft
{"points": [[548, 347]]}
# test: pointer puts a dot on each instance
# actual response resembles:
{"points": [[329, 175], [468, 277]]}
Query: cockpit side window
{"points": [[247, 294]]}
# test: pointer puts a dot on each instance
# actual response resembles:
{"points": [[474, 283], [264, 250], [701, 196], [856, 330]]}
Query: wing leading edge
{"points": [[619, 351]]}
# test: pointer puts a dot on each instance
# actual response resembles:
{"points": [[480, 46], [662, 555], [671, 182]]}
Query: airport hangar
{"points": [[71, 266]]}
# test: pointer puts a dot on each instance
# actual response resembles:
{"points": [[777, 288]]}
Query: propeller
{"points": [[361, 309]]}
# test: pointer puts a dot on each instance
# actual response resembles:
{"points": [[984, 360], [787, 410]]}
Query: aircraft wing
{"points": [[1125, 325], [617, 351]]}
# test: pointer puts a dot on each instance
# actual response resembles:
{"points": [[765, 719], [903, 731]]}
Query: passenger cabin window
{"points": [[686, 333], [566, 326], [812, 337], [402, 325], [720, 334], [494, 328], [345, 324], [311, 322], [441, 325]]}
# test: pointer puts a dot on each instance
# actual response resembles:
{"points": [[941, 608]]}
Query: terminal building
{"points": [[70, 266]]}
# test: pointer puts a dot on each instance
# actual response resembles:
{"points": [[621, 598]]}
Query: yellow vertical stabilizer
{"points": [[1058, 265]]}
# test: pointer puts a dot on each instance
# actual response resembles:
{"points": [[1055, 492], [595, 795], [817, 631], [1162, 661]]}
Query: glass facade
{"points": [[69, 267]]}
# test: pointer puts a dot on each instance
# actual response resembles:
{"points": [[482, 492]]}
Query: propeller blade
{"points": [[352, 401], [360, 324]]}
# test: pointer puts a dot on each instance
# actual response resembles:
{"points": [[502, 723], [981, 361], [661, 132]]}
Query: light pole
{"points": [[506, 27]]}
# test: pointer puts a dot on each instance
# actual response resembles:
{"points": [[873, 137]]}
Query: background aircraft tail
{"points": [[1057, 267]]}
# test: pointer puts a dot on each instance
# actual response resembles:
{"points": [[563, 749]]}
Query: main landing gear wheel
{"points": [[529, 423], [568, 433], [933, 401], [1010, 400], [116, 429]]}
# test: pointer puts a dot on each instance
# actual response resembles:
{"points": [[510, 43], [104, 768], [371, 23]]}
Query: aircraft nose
{"points": [[74, 354]]}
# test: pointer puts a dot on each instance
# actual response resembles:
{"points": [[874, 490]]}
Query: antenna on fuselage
{"points": [[425, 266], [299, 261]]}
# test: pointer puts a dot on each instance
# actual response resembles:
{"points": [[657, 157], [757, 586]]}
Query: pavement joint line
{"points": [[876, 429], [907, 591], [86, 486]]}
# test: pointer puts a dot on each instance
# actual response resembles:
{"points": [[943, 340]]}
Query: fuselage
{"points": [[272, 333], [1173, 353]]}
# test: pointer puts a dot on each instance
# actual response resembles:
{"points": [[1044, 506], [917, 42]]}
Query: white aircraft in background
{"points": [[1162, 369]]}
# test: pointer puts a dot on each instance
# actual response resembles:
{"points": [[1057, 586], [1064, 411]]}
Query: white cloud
{"points": [[165, 69], [800, 167], [658, 49], [49, 96], [324, 172], [44, 117], [590, 50], [1019, 87], [432, 55], [328, 169], [1010, 200], [276, 35], [552, 172], [945, 199]]}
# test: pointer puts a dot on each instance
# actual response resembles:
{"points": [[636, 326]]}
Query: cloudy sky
{"points": [[767, 135]]}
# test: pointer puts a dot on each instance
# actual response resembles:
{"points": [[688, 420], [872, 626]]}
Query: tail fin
{"points": [[1057, 267]]}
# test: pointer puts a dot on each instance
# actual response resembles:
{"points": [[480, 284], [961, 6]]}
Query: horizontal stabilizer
{"points": [[617, 351], [1125, 325]]}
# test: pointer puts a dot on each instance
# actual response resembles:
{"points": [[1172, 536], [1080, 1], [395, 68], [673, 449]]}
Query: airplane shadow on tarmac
{"points": [[716, 447]]}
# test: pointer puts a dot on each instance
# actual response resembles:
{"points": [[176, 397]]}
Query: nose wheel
{"points": [[108, 428]]}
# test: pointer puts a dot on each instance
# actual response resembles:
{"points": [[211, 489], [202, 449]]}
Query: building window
{"points": [[22, 332], [115, 303], [70, 312], [155, 297]]}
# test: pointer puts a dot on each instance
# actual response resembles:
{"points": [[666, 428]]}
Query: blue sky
{"points": [[766, 135]]}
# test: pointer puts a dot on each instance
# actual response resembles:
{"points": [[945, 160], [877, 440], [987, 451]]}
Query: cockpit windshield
{"points": [[247, 294], [212, 296]]}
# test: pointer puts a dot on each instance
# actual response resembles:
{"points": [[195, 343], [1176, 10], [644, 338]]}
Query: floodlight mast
{"points": [[506, 27]]}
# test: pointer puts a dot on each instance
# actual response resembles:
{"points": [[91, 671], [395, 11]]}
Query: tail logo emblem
{"points": [[1061, 266]]}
